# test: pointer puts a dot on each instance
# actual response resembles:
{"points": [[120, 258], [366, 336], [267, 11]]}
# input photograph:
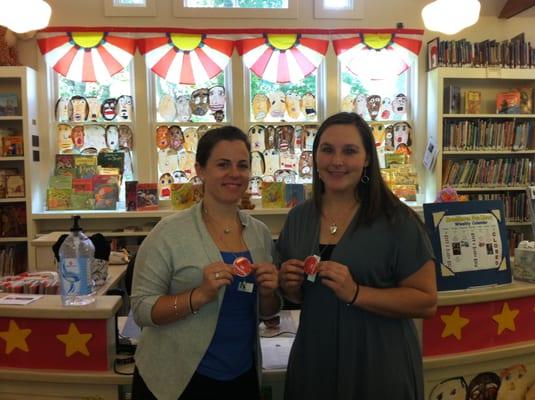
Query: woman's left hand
{"points": [[338, 278], [267, 278]]}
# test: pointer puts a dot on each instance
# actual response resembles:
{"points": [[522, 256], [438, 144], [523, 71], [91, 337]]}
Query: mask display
{"points": [[309, 134], [63, 109], [201, 130], [305, 165], [179, 177], [94, 109], [258, 166], [386, 108], [514, 383], [186, 163], [191, 139], [167, 161], [164, 185], [373, 104], [362, 106], [450, 389], [271, 161], [124, 108], [219, 116], [484, 386], [285, 175], [216, 98], [285, 138], [95, 136], [167, 108], [108, 109], [79, 108], [255, 186], [389, 138], [196, 181], [402, 134], [183, 110], [112, 137], [261, 106], [199, 102], [348, 104], [378, 131], [298, 137]]}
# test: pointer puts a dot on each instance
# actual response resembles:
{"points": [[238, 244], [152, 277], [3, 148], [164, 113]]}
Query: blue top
{"points": [[230, 353]]}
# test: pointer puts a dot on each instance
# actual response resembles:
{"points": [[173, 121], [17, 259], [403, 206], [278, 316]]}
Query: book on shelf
{"points": [[58, 199], [526, 100], [182, 196], [4, 173], [60, 182], [83, 200], [452, 99], [508, 102], [15, 186], [106, 191], [273, 195], [85, 166], [472, 102], [13, 221], [64, 165], [12, 145], [82, 185], [9, 105], [147, 196], [131, 195]]}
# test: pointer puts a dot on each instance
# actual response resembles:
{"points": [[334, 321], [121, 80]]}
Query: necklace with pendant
{"points": [[333, 226], [226, 229]]}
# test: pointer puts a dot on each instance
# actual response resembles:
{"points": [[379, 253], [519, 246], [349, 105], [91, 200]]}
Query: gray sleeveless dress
{"points": [[346, 353]]}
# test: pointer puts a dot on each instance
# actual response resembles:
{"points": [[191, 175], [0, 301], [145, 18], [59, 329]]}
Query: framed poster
{"points": [[432, 54], [470, 243]]}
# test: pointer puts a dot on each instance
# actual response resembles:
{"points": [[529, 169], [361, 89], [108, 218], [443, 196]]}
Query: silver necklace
{"points": [[333, 226], [226, 229]]}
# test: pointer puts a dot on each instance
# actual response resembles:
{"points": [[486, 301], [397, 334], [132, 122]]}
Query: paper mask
{"points": [[285, 138], [63, 109], [162, 137], [285, 175], [77, 137], [183, 111], [298, 137], [362, 108], [373, 103], [272, 161], [176, 137], [63, 136], [219, 116], [450, 389], [402, 134], [255, 186], [94, 109], [270, 134], [109, 109], [305, 165], [378, 131], [179, 176], [191, 139], [256, 135], [167, 108], [484, 386], [124, 108], [386, 108], [79, 108], [95, 136], [348, 104], [399, 104], [164, 185], [389, 138], [309, 136], [126, 137], [196, 181], [257, 164], [293, 105], [216, 98], [199, 102], [261, 106], [201, 130], [309, 106], [278, 104], [112, 137], [167, 161], [186, 163]]}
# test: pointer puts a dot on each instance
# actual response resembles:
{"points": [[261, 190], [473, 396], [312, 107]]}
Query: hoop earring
{"points": [[364, 178]]}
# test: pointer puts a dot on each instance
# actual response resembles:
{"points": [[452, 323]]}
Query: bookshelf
{"points": [[483, 155], [22, 159]]}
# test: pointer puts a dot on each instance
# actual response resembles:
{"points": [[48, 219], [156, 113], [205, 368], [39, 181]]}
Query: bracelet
{"points": [[355, 296], [191, 310]]}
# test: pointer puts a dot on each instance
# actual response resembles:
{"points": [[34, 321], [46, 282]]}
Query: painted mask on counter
{"points": [[124, 108], [450, 389], [108, 109], [164, 184], [199, 102], [79, 108], [484, 386], [216, 98]]}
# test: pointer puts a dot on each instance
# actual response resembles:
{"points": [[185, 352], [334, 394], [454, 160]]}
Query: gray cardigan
{"points": [[171, 260]]}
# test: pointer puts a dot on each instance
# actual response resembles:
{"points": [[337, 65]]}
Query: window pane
{"points": [[338, 4], [275, 4], [129, 3]]}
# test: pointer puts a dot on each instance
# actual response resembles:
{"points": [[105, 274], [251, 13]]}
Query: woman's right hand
{"points": [[291, 276], [215, 276]]}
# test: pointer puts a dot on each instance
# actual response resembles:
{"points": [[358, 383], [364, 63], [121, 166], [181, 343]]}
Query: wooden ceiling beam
{"points": [[514, 7]]}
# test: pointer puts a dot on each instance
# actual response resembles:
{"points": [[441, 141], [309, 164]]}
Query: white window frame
{"points": [[321, 12], [181, 11], [112, 10]]}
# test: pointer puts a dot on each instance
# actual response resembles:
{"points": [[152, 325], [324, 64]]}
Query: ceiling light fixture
{"points": [[23, 16], [450, 16]]}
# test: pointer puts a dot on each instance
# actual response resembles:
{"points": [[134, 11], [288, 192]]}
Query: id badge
{"points": [[246, 287]]}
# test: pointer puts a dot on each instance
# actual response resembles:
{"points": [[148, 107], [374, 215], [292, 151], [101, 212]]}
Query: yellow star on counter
{"points": [[15, 337], [506, 319], [75, 341], [454, 324]]}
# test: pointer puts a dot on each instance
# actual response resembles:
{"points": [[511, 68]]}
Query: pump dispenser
{"points": [[76, 255]]}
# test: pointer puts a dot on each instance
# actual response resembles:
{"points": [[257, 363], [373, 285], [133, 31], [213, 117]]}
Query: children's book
{"points": [[273, 195], [294, 193], [508, 102], [472, 102], [4, 173], [526, 100], [12, 145], [452, 99], [147, 196], [111, 160], [64, 164], [85, 166], [9, 104], [182, 196], [15, 186], [60, 182], [82, 185], [82, 200], [58, 199], [106, 191], [131, 195]]}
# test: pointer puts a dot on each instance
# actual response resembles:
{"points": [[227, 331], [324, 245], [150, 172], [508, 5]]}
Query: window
{"points": [[339, 9], [130, 8], [236, 8]]}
